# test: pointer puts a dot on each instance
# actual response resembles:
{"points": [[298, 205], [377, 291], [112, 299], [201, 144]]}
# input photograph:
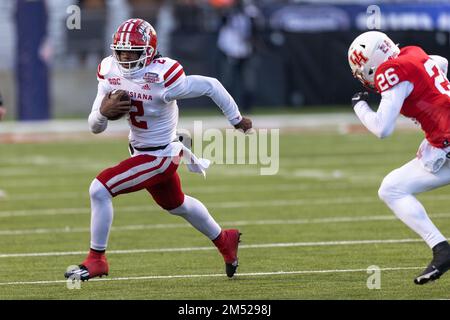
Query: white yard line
{"points": [[215, 169], [301, 160], [214, 275], [218, 205], [200, 190], [334, 121], [244, 246], [37, 182], [34, 171], [348, 219], [46, 196]]}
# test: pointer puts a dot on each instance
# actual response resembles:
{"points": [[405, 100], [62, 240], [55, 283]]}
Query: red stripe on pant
{"points": [[165, 187]]}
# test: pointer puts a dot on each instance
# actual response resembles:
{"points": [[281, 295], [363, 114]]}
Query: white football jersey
{"points": [[152, 120]]}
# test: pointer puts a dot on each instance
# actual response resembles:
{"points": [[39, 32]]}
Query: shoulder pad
{"points": [[173, 71], [104, 67], [389, 74]]}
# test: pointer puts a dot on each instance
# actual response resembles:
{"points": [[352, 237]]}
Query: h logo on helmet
{"points": [[142, 30], [358, 58]]}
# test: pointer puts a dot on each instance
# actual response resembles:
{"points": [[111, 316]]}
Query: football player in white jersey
{"points": [[414, 84], [136, 80]]}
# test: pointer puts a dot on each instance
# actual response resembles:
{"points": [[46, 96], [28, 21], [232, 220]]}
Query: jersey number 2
{"points": [[138, 113], [440, 81], [387, 79]]}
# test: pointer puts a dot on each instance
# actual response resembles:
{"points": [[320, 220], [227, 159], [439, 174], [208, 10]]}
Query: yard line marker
{"points": [[213, 275], [245, 246], [201, 190], [12, 232]]}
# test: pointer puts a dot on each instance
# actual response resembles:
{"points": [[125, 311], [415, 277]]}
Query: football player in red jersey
{"points": [[414, 84], [139, 82], [2, 109]]}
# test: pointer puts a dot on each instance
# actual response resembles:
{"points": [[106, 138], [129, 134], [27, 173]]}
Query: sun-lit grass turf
{"points": [[321, 176]]}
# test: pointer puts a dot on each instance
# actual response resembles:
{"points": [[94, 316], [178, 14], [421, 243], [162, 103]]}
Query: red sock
{"points": [[96, 254]]}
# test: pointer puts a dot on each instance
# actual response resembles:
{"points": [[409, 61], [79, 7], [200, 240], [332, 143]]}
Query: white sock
{"points": [[101, 215], [409, 210], [198, 216]]}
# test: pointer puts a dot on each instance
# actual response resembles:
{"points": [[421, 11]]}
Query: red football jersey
{"points": [[429, 102]]}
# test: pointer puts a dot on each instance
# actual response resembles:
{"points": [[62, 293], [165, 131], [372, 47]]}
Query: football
{"points": [[123, 97]]}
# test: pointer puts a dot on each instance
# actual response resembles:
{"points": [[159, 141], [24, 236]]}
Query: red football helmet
{"points": [[134, 35]]}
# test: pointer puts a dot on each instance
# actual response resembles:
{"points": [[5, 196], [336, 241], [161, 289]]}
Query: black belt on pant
{"points": [[146, 149]]}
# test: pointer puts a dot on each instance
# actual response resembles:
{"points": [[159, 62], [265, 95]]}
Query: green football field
{"points": [[309, 232]]}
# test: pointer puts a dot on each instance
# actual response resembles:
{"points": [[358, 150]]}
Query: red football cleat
{"points": [[227, 243], [95, 265]]}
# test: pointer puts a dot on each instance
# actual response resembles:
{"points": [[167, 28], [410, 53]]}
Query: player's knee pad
{"points": [[383, 192], [170, 202], [185, 207], [179, 211], [97, 191]]}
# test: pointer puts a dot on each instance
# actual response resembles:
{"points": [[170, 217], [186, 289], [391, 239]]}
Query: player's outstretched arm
{"points": [[97, 121], [2, 109], [382, 122], [2, 112], [245, 125], [197, 86]]}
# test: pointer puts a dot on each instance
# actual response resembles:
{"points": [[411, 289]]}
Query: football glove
{"points": [[360, 96], [245, 125]]}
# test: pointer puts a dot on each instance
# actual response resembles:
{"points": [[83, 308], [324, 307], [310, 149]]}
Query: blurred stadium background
{"points": [[298, 54]]}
